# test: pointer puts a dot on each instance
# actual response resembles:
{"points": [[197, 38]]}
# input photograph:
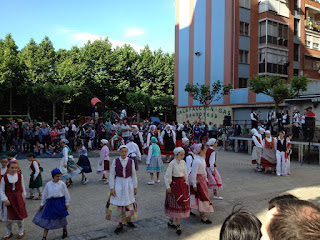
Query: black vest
{"points": [[282, 147], [179, 135], [136, 138]]}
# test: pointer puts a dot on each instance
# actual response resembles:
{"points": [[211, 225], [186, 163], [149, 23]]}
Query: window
{"points": [[315, 43], [296, 72], [262, 31], [243, 82], [308, 41], [243, 56], [312, 63], [273, 61], [244, 29], [296, 52], [244, 3], [296, 27]]}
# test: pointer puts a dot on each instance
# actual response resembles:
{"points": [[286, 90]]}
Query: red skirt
{"points": [[200, 199], [265, 163], [106, 165], [17, 209], [177, 204], [179, 143]]}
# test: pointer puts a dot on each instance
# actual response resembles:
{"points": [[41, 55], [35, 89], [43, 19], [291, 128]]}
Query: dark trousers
{"points": [[270, 126], [254, 124]]}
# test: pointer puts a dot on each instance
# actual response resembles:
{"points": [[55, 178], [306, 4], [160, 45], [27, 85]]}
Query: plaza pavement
{"points": [[241, 186]]}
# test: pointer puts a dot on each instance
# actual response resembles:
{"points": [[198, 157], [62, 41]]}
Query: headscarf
{"points": [[262, 130], [180, 127], [267, 132], [122, 146], [255, 132], [154, 140], [11, 153], [167, 126], [155, 127], [3, 157], [104, 141], [184, 140], [134, 126], [65, 141], [211, 141], [55, 172], [196, 148], [177, 150], [32, 155]]}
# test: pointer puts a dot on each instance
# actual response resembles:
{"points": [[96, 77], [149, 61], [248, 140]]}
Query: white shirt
{"points": [[134, 150], [198, 167], [123, 114], [126, 129], [124, 164], [65, 155], [175, 169], [252, 117], [149, 138], [36, 168], [271, 115], [74, 128], [284, 118], [189, 161], [296, 117], [55, 190], [11, 179], [303, 119], [212, 159], [3, 170], [255, 140]]}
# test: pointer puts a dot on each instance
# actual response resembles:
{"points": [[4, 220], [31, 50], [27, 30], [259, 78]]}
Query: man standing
{"points": [[295, 123], [45, 135], [254, 119], [125, 130], [270, 119]]}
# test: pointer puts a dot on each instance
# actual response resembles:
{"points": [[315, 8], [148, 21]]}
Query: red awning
{"points": [[94, 101]]}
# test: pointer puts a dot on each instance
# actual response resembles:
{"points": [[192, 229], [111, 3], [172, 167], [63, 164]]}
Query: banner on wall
{"points": [[213, 114]]}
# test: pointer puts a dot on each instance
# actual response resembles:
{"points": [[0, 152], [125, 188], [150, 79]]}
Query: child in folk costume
{"points": [[121, 206], [180, 135], [83, 161], [67, 166], [13, 194], [268, 157], [54, 205], [212, 172], [199, 193], [177, 204], [257, 149], [137, 137], [154, 161], [189, 160], [104, 161], [3, 171], [289, 152], [133, 151], [168, 139], [152, 133], [281, 154], [35, 184], [12, 157], [185, 147]]}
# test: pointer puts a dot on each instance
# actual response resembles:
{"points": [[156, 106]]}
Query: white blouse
{"points": [[257, 144], [212, 159], [11, 179], [3, 170], [134, 150], [55, 190], [36, 168], [175, 169], [198, 167], [123, 162], [189, 160]]}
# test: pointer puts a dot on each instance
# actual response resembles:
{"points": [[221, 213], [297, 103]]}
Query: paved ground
{"points": [[241, 186]]}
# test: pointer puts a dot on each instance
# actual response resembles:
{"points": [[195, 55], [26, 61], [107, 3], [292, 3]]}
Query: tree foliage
{"points": [[41, 75], [278, 88]]}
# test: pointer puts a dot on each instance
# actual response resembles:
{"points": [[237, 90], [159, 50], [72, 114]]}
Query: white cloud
{"points": [[80, 39], [134, 32]]}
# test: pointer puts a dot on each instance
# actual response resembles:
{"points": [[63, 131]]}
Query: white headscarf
{"points": [[180, 127], [177, 150], [167, 126], [104, 141], [184, 140], [135, 126], [122, 146], [155, 127], [255, 132], [211, 141]]}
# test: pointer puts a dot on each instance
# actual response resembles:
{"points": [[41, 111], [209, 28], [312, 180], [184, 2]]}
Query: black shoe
{"points": [[118, 229], [170, 224], [178, 230], [65, 234], [192, 214], [130, 224], [207, 221]]}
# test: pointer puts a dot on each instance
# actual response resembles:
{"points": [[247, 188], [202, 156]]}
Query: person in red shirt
{"points": [[310, 113]]}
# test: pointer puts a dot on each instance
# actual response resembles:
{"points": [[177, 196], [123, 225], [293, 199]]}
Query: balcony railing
{"points": [[312, 25]]}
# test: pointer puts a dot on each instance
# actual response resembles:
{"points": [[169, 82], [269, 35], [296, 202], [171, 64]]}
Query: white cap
{"points": [[211, 141], [177, 150], [122, 146], [184, 140], [104, 141]]}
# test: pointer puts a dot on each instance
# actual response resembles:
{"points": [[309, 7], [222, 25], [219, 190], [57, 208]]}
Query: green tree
{"points": [[278, 88], [10, 68], [205, 95], [164, 104], [138, 101]]}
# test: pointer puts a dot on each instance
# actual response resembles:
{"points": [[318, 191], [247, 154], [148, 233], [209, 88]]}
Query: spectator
{"points": [[310, 113], [44, 135], [18, 135], [62, 132], [125, 130], [27, 138], [241, 225], [101, 131], [237, 129], [71, 137], [197, 133], [292, 219], [91, 136]]}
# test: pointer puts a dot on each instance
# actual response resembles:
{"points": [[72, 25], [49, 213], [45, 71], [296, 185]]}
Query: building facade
{"points": [[234, 40]]}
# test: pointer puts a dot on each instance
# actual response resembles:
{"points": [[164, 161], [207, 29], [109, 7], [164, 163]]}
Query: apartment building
{"points": [[233, 40]]}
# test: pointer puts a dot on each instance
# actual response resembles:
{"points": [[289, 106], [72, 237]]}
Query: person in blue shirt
{"points": [[44, 135]]}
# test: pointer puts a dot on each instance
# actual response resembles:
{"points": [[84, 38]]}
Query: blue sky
{"points": [[73, 22]]}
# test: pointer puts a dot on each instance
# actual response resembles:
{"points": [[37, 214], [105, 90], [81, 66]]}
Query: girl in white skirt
{"points": [[214, 179], [121, 206], [104, 162], [154, 161], [177, 204], [257, 149]]}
